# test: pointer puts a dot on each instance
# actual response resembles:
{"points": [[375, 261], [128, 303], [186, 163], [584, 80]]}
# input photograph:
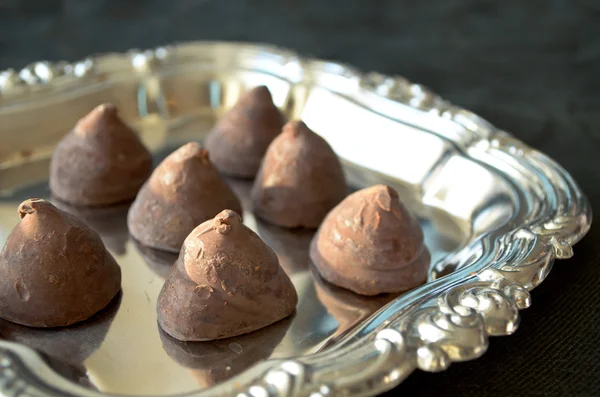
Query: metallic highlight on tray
{"points": [[523, 212]]}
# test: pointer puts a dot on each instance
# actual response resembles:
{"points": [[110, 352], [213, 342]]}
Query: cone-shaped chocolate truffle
{"points": [[300, 179], [226, 282], [100, 162], [240, 139], [183, 191], [370, 244], [54, 270]]}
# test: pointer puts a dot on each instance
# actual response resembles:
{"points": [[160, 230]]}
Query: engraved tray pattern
{"points": [[447, 320]]}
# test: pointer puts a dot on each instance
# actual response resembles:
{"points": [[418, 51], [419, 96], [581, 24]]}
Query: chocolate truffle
{"points": [[370, 244], [100, 162], [183, 191], [226, 282], [54, 270], [240, 139], [300, 179]]}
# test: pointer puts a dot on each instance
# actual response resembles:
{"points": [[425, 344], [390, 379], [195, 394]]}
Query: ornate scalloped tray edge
{"points": [[448, 321]]}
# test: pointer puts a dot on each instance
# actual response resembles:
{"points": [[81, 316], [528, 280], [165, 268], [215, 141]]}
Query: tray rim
{"points": [[448, 322]]}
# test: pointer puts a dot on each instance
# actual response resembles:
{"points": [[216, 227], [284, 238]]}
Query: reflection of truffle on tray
{"points": [[300, 179], [240, 138], [183, 191], [371, 244], [74, 373], [100, 162], [347, 307], [159, 261], [71, 345], [109, 222], [226, 282], [215, 361], [54, 270]]}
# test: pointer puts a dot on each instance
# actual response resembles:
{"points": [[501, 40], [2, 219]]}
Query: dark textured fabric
{"points": [[529, 66]]}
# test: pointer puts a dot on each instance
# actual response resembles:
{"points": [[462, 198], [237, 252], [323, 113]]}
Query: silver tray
{"points": [[496, 214]]}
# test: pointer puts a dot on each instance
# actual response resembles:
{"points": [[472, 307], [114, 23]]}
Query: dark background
{"points": [[531, 67]]}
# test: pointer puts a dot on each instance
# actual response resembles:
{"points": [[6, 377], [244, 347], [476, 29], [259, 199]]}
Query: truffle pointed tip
{"points": [[389, 191], [225, 220], [260, 94], [193, 150], [261, 90], [105, 113], [106, 108], [296, 128], [30, 206], [386, 197], [384, 190]]}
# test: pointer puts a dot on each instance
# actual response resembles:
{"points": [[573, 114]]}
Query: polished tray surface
{"points": [[495, 213]]}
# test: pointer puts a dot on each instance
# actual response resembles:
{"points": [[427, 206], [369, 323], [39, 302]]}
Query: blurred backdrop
{"points": [[531, 67]]}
